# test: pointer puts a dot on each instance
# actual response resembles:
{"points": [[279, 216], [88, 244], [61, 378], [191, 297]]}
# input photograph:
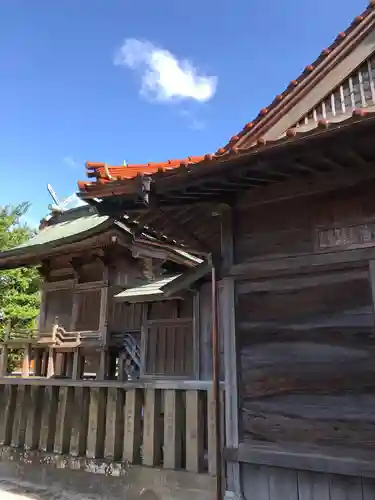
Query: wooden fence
{"points": [[167, 424]]}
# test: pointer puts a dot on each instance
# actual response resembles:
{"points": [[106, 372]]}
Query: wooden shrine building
{"points": [[117, 372], [286, 210]]}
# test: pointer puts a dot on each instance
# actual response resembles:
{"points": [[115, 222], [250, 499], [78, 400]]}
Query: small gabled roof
{"points": [[312, 74], [79, 224], [166, 287]]}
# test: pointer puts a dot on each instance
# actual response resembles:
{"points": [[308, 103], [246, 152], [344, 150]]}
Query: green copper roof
{"points": [[63, 230], [69, 227], [148, 289]]}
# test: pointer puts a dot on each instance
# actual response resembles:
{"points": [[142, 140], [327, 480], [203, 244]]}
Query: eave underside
{"points": [[185, 206]]}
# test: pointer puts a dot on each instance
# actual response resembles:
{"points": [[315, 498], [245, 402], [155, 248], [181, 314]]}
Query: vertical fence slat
{"points": [[211, 433], [151, 428], [34, 418], [7, 413], [20, 416], [4, 360], [114, 429], [49, 415], [132, 426], [194, 431], [78, 439], [64, 420], [173, 421], [96, 425], [26, 361]]}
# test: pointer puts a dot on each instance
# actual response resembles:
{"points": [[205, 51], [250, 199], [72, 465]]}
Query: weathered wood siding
{"points": [[169, 346], [307, 225], [307, 341], [58, 304], [261, 482]]}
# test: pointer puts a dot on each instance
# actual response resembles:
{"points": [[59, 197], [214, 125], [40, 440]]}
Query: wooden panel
{"points": [[59, 304], [88, 315], [170, 349], [307, 365], [194, 431], [114, 431], [173, 426], [7, 409], [80, 417], [271, 483], [132, 426], [152, 432], [20, 416], [34, 418], [123, 317], [335, 221], [96, 423]]}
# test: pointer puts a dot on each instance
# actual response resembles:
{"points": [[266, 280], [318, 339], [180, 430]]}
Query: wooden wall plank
{"points": [[114, 431], [255, 482], [78, 440], [65, 411], [283, 484], [20, 416], [152, 434], [49, 416], [34, 419], [173, 429], [211, 433], [7, 410], [313, 486], [194, 431], [96, 423], [132, 426]]}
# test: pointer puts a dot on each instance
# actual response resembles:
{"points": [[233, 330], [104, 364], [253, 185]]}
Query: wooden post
{"points": [[26, 361], [151, 428], [51, 362], [132, 426], [65, 411], [114, 432], [69, 358], [34, 418], [20, 416], [96, 425], [103, 365], [194, 431], [49, 415], [173, 422], [121, 366], [5, 350], [78, 441], [7, 409], [4, 360], [77, 364], [38, 360], [228, 335]]}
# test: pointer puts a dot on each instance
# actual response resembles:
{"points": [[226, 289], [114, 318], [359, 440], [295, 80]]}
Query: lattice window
{"points": [[356, 91]]}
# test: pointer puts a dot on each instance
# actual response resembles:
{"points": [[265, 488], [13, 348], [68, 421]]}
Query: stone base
{"points": [[83, 478]]}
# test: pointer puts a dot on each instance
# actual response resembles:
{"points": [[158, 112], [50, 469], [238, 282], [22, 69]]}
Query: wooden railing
{"points": [[169, 424]]}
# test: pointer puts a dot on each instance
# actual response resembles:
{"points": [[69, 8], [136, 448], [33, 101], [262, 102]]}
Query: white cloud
{"points": [[164, 78]]}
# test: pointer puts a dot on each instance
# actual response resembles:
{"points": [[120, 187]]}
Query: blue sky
{"points": [[145, 80]]}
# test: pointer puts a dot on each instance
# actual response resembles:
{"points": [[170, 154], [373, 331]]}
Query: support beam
{"points": [[231, 368]]}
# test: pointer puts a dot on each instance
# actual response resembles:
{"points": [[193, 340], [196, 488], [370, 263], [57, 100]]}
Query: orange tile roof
{"points": [[104, 173], [313, 70], [254, 130]]}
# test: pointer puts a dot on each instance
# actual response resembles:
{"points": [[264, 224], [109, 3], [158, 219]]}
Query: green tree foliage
{"points": [[19, 288]]}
